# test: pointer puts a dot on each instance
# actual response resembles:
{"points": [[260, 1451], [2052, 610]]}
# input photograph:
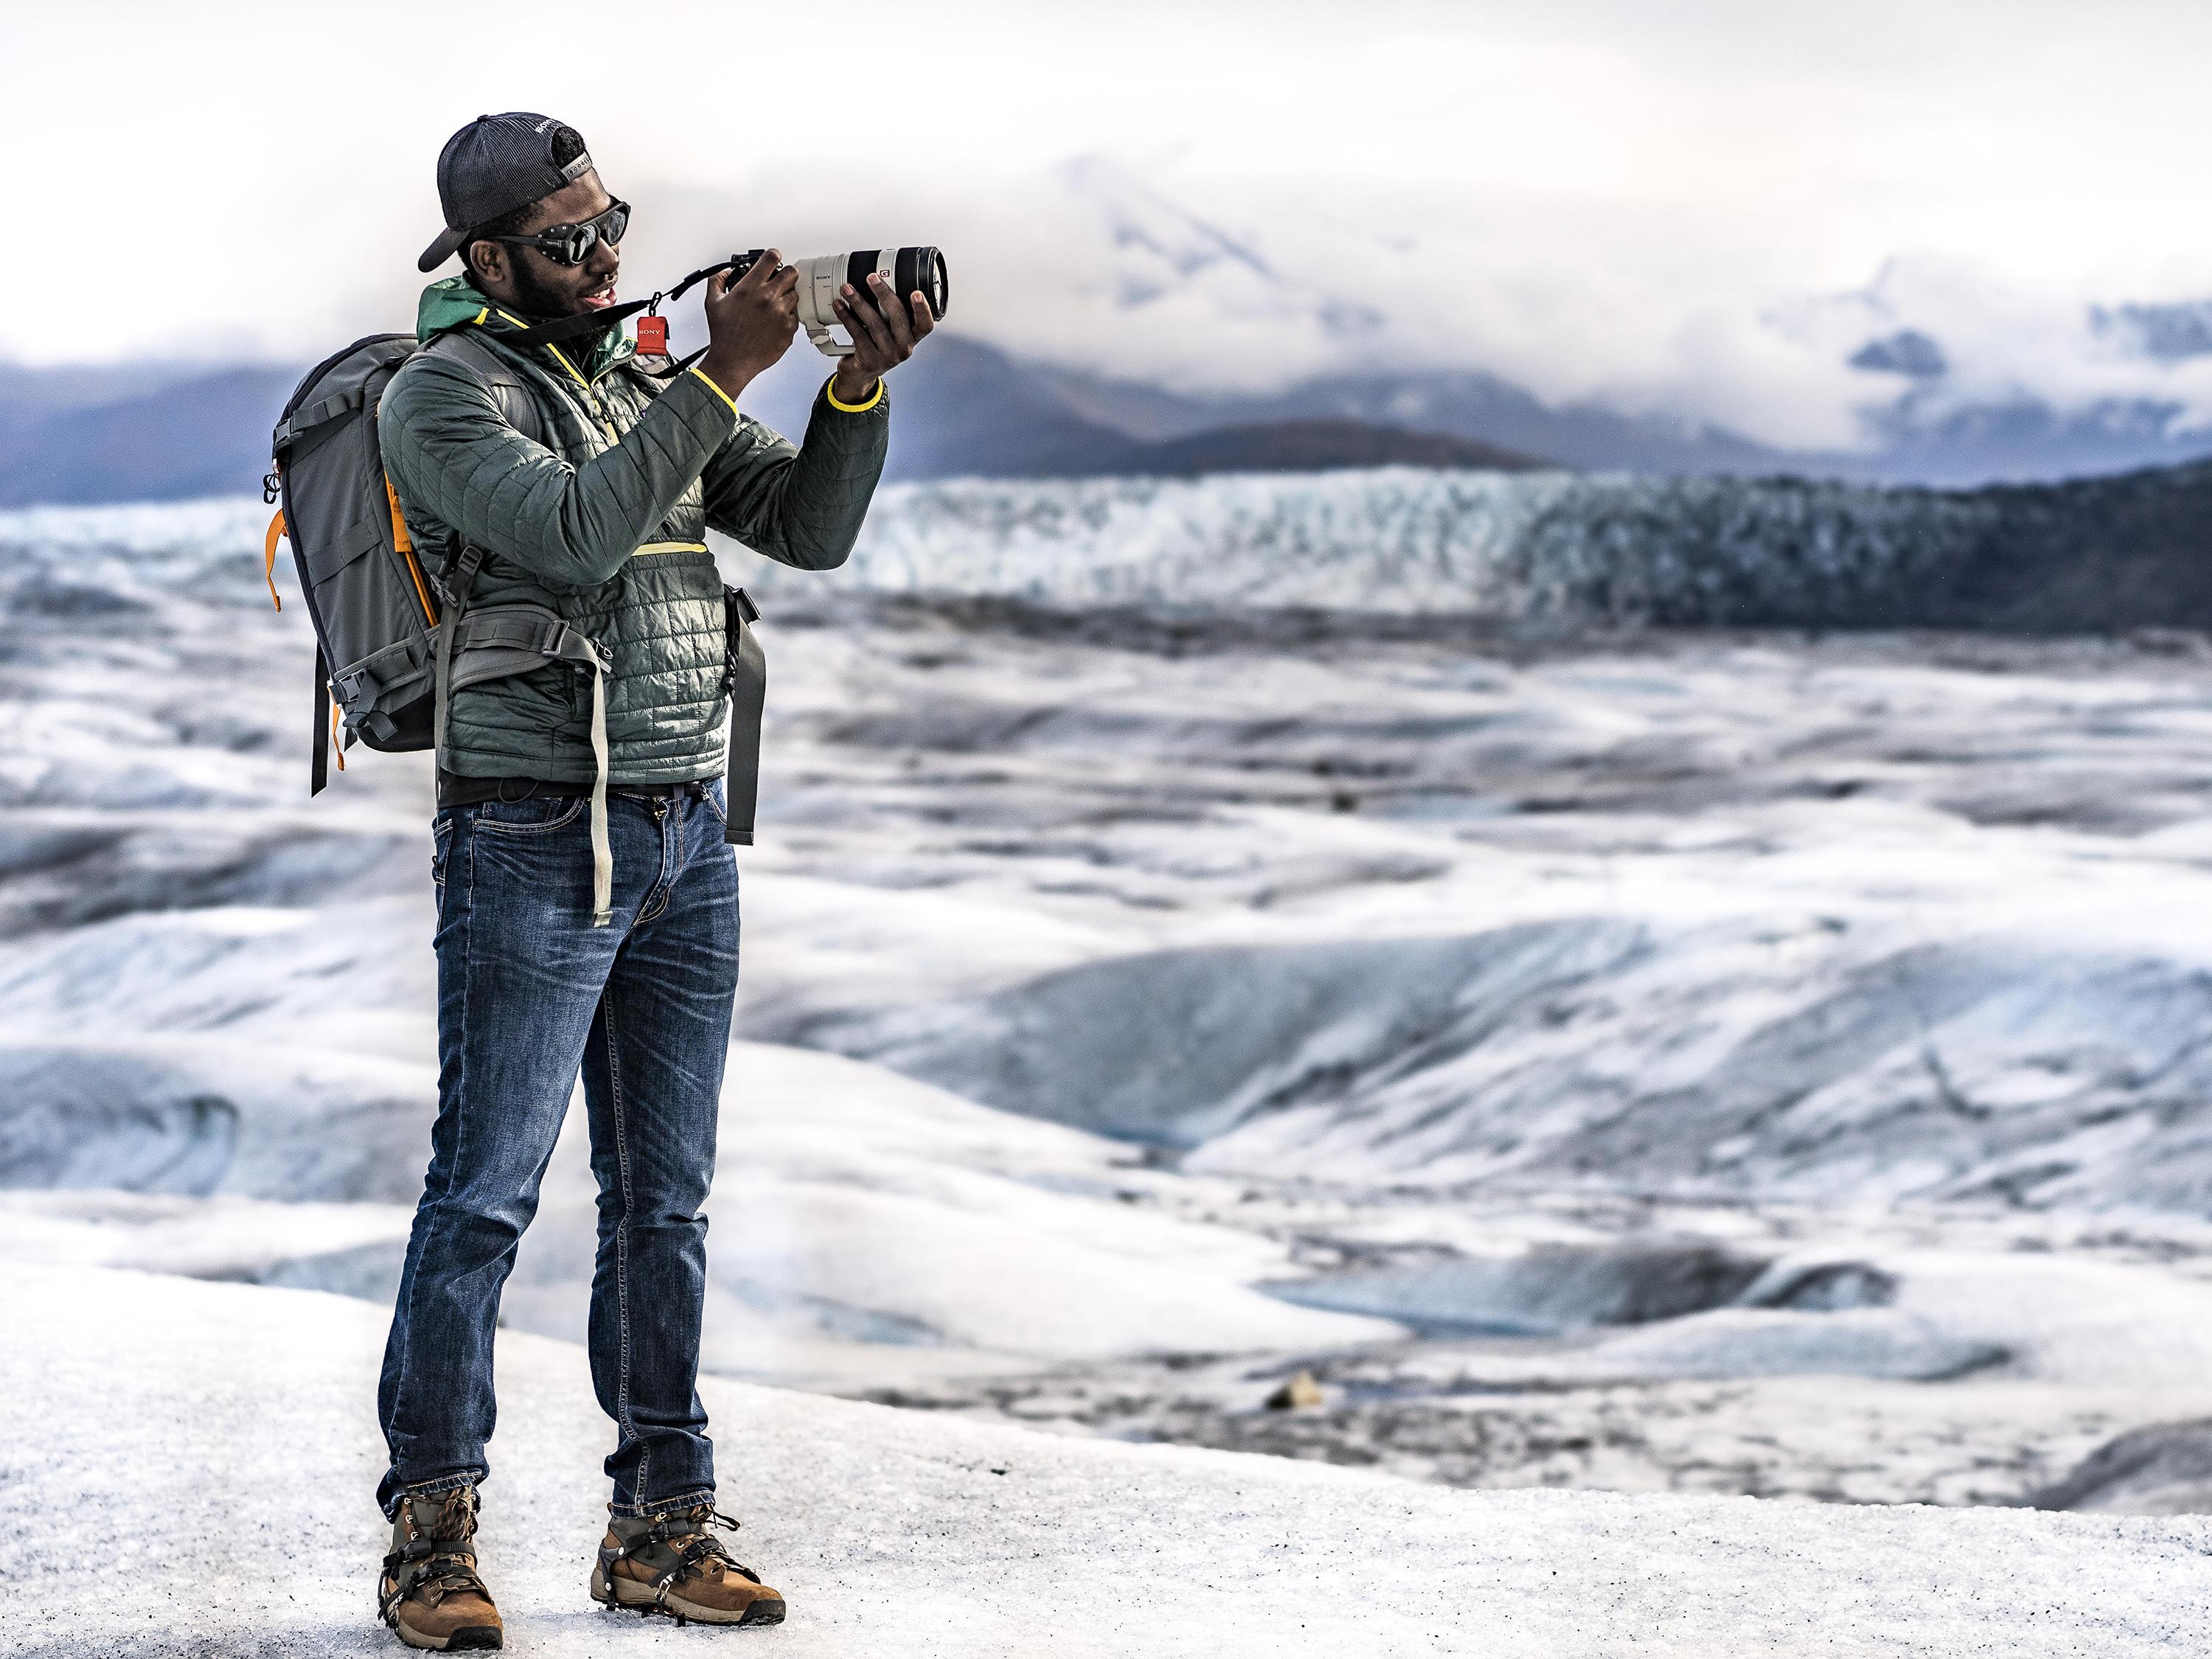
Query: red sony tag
{"points": [[651, 336]]}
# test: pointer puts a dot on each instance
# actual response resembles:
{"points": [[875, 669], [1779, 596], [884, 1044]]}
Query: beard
{"points": [[540, 299]]}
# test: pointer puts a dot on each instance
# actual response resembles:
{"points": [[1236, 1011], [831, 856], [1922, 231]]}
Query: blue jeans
{"points": [[528, 991]]}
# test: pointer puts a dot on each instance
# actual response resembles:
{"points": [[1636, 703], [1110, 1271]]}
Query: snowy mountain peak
{"points": [[1166, 256]]}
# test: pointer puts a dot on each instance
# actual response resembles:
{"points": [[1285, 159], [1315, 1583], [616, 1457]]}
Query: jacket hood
{"points": [[448, 303]]}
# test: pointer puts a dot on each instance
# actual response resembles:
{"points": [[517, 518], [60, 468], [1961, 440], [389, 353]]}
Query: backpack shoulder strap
{"points": [[505, 382]]}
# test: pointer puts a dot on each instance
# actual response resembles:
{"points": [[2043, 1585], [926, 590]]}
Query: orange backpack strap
{"points": [[400, 539], [405, 544], [269, 557]]}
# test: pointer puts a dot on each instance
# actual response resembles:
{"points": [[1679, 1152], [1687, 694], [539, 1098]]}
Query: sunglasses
{"points": [[571, 245]]}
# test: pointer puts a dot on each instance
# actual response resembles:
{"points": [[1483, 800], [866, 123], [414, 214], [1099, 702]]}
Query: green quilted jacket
{"points": [[604, 523]]}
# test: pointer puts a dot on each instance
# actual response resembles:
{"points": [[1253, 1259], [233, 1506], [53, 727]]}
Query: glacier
{"points": [[1531, 550], [1152, 988], [1551, 553], [1527, 552]]}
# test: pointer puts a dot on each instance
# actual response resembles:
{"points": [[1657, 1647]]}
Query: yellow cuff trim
{"points": [[716, 390], [830, 391]]}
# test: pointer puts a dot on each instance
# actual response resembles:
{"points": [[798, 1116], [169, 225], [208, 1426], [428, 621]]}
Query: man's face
{"points": [[525, 280]]}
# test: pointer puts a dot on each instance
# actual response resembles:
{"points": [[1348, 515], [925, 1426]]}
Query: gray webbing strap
{"points": [[306, 420], [318, 764], [574, 648], [603, 852], [745, 678], [458, 581], [499, 640]]}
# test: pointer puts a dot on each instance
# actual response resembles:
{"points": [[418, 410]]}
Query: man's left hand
{"points": [[884, 334]]}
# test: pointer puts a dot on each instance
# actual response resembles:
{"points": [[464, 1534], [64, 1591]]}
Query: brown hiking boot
{"points": [[430, 1593], [671, 1563]]}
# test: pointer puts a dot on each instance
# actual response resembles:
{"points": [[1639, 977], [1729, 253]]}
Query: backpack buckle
{"points": [[557, 645]]}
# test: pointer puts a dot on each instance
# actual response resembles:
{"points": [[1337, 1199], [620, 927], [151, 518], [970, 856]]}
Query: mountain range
{"points": [[969, 409], [1943, 378]]}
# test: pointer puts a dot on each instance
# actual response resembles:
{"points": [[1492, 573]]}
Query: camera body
{"points": [[905, 269]]}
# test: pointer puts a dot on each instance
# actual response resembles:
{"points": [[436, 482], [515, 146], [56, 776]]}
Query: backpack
{"points": [[385, 665], [367, 595]]}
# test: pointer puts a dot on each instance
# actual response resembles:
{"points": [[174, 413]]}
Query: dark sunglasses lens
{"points": [[613, 222]]}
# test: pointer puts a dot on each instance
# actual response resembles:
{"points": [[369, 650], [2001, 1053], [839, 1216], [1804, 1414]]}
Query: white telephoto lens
{"points": [[907, 270], [820, 280]]}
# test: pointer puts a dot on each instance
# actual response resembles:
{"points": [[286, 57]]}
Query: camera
{"points": [[906, 269]]}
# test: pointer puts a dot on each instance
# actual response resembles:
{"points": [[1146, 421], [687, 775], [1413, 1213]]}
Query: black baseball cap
{"points": [[495, 165]]}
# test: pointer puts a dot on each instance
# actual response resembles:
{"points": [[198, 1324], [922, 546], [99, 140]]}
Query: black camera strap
{"points": [[561, 330], [571, 328]]}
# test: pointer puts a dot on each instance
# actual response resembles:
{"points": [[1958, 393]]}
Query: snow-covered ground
{"points": [[212, 1504], [1658, 1061]]}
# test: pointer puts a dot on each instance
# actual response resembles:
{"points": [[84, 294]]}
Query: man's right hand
{"points": [[749, 322]]}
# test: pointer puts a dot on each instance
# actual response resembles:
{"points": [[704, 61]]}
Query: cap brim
{"points": [[448, 243]]}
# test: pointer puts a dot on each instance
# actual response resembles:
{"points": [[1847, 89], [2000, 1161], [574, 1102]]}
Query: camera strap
{"points": [[689, 283], [563, 329], [570, 328]]}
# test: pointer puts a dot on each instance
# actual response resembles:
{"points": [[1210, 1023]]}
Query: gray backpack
{"points": [[384, 664]]}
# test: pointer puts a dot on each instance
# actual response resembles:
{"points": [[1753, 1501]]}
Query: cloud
{"points": [[1704, 209], [1999, 342]]}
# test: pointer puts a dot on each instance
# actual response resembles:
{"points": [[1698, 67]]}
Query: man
{"points": [[593, 506]]}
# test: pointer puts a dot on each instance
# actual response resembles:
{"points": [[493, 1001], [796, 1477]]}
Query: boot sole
{"points": [[637, 1598], [470, 1638]]}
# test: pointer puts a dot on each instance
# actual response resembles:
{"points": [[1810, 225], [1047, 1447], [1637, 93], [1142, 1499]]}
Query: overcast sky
{"points": [[1700, 207]]}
